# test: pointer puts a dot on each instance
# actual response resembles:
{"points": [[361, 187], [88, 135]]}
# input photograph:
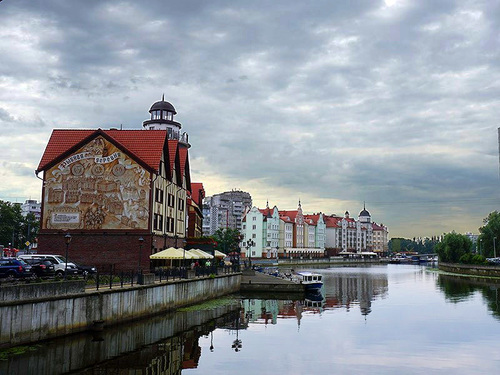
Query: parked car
{"points": [[85, 270], [57, 260], [41, 268], [12, 268]]}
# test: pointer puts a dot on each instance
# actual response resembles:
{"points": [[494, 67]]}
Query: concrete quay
{"points": [[252, 281]]}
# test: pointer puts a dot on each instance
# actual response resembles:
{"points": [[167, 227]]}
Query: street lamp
{"points": [[494, 247], [67, 239], [250, 244], [141, 241], [480, 243]]}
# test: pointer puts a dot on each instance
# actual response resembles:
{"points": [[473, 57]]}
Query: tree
{"points": [[453, 246], [489, 231], [14, 228], [10, 223], [227, 240]]}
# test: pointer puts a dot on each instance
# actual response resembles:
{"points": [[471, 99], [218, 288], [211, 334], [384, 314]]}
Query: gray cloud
{"points": [[340, 100]]}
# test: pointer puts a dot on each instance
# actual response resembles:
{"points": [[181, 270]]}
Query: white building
{"points": [[31, 207], [224, 210]]}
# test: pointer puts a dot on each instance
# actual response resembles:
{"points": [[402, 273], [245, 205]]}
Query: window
{"points": [[159, 195], [254, 218], [244, 226], [254, 235], [158, 222], [254, 226], [181, 204], [170, 224], [171, 200]]}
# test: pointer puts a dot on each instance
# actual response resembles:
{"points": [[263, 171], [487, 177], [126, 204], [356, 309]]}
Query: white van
{"points": [[58, 261]]}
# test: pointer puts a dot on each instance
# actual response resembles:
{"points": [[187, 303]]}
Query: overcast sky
{"points": [[392, 102]]}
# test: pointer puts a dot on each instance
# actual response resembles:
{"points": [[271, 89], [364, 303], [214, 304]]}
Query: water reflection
{"points": [[268, 335], [457, 289], [159, 345]]}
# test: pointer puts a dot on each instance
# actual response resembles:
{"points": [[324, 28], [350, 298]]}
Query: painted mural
{"points": [[98, 187]]}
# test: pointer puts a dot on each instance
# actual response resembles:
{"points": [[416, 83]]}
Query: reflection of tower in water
{"points": [[344, 290]]}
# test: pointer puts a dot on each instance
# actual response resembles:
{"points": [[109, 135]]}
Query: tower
{"points": [[162, 118]]}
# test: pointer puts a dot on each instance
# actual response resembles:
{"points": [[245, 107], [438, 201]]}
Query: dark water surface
{"points": [[394, 319]]}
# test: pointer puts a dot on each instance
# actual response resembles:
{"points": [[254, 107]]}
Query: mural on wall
{"points": [[97, 187]]}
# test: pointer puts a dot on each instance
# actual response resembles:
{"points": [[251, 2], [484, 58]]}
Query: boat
{"points": [[310, 280]]}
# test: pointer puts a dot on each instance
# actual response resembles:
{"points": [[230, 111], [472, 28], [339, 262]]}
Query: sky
{"points": [[394, 104]]}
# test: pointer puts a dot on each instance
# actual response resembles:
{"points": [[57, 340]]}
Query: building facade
{"points": [[31, 206], [120, 194], [347, 235], [224, 210]]}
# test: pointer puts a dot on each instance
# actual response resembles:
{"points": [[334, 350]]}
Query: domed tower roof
{"points": [[162, 105], [364, 212], [162, 118]]}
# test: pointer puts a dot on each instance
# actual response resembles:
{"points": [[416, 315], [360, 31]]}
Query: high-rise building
{"points": [[224, 210]]}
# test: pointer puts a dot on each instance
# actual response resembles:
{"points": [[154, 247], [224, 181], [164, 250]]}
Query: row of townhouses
{"points": [[272, 233]]}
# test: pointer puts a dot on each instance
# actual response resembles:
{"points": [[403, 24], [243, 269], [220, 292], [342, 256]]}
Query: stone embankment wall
{"points": [[31, 320], [467, 269]]}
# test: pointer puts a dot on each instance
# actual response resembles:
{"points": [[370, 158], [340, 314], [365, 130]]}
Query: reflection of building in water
{"points": [[261, 311], [344, 290]]}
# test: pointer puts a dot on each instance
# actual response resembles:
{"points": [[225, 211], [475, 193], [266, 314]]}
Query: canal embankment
{"points": [[26, 318], [492, 272]]}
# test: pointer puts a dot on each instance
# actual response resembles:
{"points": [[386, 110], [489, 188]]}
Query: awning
{"points": [[200, 254], [219, 254], [172, 253]]}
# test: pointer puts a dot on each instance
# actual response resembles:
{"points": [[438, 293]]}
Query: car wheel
{"points": [[59, 274], [11, 276], [85, 273]]}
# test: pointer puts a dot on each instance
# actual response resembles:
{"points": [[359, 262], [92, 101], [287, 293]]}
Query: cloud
{"points": [[387, 102]]}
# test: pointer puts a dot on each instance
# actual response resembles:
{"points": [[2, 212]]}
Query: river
{"points": [[391, 319]]}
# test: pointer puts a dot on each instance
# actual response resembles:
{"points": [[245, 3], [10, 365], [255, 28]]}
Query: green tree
{"points": [[11, 222], [489, 231], [227, 240], [453, 247]]}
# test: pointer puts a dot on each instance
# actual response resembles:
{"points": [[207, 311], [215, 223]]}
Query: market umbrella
{"points": [[172, 253], [200, 254], [219, 254]]}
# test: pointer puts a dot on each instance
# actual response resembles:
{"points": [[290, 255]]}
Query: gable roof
{"points": [[145, 146], [197, 192], [291, 214], [332, 222]]}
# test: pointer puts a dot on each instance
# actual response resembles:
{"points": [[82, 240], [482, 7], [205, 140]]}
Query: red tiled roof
{"points": [[183, 155], [286, 219], [172, 152], [291, 214], [332, 222], [197, 192], [147, 146], [268, 212]]}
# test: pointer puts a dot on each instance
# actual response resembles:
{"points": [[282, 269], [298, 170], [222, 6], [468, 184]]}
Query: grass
{"points": [[17, 350], [209, 305]]}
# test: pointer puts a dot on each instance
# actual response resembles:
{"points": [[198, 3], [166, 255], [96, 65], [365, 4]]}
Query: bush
{"points": [[466, 259]]}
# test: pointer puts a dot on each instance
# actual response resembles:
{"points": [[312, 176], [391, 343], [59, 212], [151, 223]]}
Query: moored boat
{"points": [[310, 280]]}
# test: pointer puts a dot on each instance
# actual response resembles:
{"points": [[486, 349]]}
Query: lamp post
{"points": [[480, 243], [141, 241], [67, 239], [250, 244], [494, 247]]}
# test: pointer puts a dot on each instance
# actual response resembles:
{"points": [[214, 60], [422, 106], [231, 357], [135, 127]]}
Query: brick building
{"points": [[121, 194]]}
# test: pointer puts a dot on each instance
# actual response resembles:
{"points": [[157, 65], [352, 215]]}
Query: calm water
{"points": [[395, 319]]}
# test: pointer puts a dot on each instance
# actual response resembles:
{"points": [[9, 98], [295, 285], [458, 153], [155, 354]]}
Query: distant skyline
{"points": [[395, 103]]}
